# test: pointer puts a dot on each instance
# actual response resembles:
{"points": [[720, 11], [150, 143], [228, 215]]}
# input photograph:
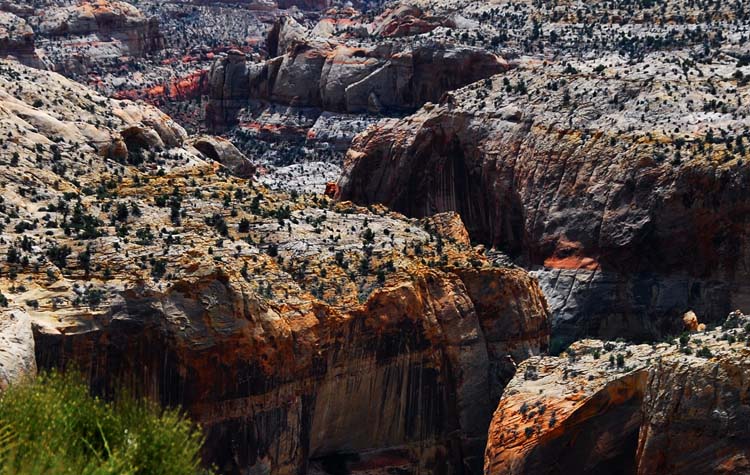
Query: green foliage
{"points": [[144, 236], [158, 268], [52, 426], [368, 236], [84, 224], [59, 255], [244, 225], [684, 339], [557, 345]]}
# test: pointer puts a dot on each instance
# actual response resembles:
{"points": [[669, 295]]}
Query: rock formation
{"points": [[17, 40], [406, 20], [301, 333], [17, 359], [607, 182], [77, 37], [341, 78], [228, 90], [180, 89], [609, 407], [108, 20], [222, 151]]}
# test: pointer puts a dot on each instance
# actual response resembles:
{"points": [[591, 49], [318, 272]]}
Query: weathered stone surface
{"points": [[17, 359], [283, 34], [222, 151], [617, 408], [406, 20], [228, 90], [336, 77], [296, 330], [17, 40], [565, 170], [109, 20]]}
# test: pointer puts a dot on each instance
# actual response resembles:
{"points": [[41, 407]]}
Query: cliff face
{"points": [[612, 408], [404, 376], [17, 40], [17, 359], [228, 89], [181, 89], [107, 20], [582, 172], [76, 37], [340, 78], [696, 417], [303, 334]]}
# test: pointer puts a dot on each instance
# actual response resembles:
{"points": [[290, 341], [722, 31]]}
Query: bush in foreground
{"points": [[52, 425]]}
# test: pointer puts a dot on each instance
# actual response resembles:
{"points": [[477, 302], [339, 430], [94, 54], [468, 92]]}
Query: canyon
{"points": [[269, 322], [425, 237], [567, 172]]}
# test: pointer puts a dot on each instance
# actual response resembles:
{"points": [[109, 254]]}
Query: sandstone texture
{"points": [[17, 360], [607, 407], [299, 332], [603, 173], [77, 37], [17, 39], [336, 77]]}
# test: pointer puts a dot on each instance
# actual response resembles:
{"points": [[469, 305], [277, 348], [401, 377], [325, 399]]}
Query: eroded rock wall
{"points": [[408, 373], [564, 172], [613, 408]]}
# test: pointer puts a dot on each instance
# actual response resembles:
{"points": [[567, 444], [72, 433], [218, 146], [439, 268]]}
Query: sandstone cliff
{"points": [[17, 40], [609, 407], [108, 20], [77, 37], [332, 76], [601, 172], [17, 360], [301, 333]]}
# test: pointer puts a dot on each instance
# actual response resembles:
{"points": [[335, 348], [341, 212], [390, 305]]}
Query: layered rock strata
{"points": [[301, 333], [617, 180], [340, 78], [609, 407]]}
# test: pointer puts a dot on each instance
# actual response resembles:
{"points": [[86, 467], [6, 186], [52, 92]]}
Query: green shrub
{"points": [[52, 426]]}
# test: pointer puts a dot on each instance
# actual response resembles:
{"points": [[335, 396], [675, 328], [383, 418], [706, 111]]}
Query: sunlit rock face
{"points": [[17, 361], [310, 71], [76, 39], [300, 332], [629, 409], [606, 179]]}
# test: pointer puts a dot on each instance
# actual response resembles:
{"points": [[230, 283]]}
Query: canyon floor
{"points": [[444, 237]]}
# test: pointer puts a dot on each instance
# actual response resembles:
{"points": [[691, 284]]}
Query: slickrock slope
{"points": [[626, 181], [673, 408], [303, 334]]}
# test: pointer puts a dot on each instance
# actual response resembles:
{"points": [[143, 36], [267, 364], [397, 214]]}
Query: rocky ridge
{"points": [[609, 407], [17, 40], [138, 254], [337, 77], [73, 38]]}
